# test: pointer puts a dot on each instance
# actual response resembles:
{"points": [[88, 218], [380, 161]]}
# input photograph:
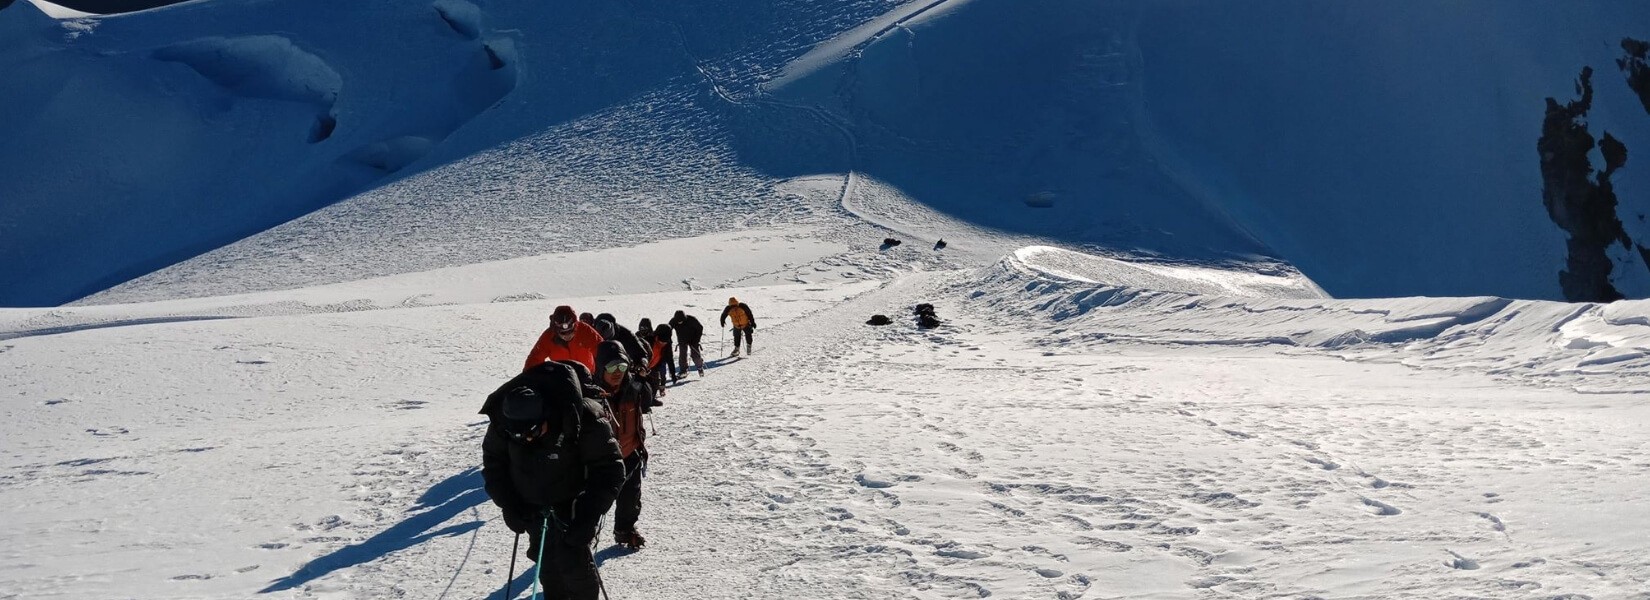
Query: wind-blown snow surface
{"points": [[1386, 149], [1058, 436]]}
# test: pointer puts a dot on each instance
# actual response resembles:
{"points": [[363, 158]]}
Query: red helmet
{"points": [[563, 320]]}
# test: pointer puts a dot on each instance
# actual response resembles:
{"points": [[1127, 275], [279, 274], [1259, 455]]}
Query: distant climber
{"points": [[688, 334], [646, 366], [644, 333], [565, 339], [744, 322], [663, 365], [558, 502]]}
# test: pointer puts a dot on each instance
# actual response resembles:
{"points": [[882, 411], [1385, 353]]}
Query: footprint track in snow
{"points": [[1101, 544], [1495, 522], [968, 455], [1324, 464], [1382, 508]]}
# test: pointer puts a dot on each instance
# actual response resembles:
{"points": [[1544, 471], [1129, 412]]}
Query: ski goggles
{"points": [[617, 367], [524, 431]]}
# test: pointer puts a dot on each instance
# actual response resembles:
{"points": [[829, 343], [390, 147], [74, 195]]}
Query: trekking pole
{"points": [[601, 522], [650, 424], [514, 550], [721, 342], [538, 565]]}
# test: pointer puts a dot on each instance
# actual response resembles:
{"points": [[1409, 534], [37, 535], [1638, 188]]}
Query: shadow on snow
{"points": [[439, 504]]}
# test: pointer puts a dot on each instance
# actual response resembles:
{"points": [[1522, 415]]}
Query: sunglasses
{"points": [[617, 367]]}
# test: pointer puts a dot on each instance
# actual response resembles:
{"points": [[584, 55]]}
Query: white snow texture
{"points": [[1237, 299]]}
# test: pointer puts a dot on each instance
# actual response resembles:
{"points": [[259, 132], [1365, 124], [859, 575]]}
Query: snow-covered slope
{"points": [[1176, 412], [1065, 433], [205, 122], [1388, 150]]}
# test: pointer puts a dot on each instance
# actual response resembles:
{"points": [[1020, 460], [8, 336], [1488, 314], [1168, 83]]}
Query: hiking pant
{"points": [[684, 349], [629, 506], [569, 570], [656, 377], [747, 331], [666, 371]]}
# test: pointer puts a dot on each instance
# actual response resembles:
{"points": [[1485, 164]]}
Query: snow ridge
{"points": [[1093, 301]]}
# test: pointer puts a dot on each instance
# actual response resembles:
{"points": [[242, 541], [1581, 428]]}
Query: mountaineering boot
{"points": [[735, 353], [629, 540]]}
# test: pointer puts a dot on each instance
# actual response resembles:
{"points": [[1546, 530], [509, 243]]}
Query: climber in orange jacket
{"points": [[565, 339], [744, 322]]}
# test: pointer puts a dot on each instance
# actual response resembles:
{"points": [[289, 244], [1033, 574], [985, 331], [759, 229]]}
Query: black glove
{"points": [[517, 521]]}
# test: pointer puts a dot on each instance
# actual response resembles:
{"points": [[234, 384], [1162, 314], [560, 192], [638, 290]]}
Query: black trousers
{"points": [[628, 509], [666, 364], [569, 569], [745, 330]]}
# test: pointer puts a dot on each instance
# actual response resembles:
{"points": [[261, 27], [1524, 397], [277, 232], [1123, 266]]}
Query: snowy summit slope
{"points": [[1385, 150]]}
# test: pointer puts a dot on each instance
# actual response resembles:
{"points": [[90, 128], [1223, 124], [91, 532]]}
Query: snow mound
{"points": [[463, 17], [1091, 301], [265, 66], [259, 66], [169, 133], [1191, 279]]}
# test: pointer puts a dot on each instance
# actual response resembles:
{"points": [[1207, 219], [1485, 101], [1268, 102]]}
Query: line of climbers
{"points": [[565, 440]]}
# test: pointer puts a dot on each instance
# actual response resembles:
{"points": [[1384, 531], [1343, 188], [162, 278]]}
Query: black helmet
{"points": [[524, 414]]}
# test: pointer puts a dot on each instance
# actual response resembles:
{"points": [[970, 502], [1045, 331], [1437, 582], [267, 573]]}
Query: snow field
{"points": [[333, 455], [217, 458]]}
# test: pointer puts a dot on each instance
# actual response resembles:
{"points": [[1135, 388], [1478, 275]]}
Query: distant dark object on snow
{"points": [[879, 320], [940, 245], [1040, 200], [925, 316], [889, 243]]}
